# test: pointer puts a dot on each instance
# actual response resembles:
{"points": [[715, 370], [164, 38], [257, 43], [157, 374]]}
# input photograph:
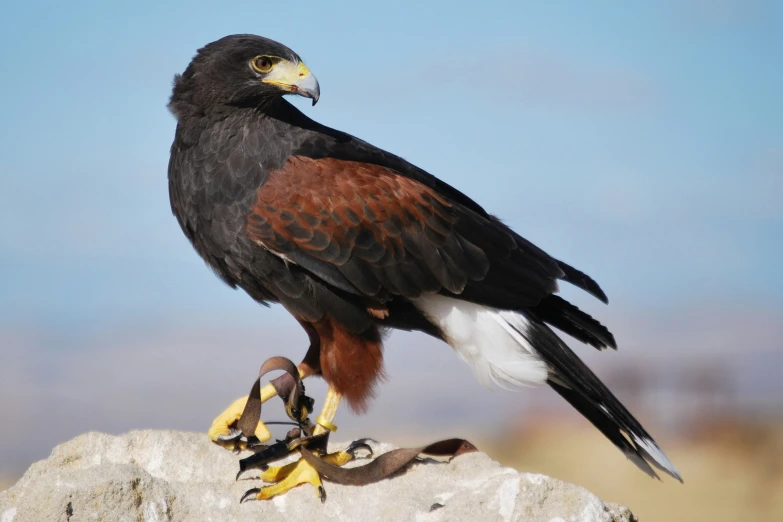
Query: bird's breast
{"points": [[213, 182]]}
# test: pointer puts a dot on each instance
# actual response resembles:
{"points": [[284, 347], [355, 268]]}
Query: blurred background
{"points": [[642, 145]]}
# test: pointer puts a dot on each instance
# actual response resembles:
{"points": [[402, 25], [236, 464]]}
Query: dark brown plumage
{"points": [[352, 240], [383, 234]]}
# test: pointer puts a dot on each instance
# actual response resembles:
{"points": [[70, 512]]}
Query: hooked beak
{"points": [[308, 87], [295, 79]]}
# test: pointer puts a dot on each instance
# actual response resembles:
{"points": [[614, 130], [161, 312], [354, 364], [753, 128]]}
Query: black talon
{"points": [[236, 437], [358, 445], [233, 436], [352, 449], [239, 474], [249, 493], [322, 494]]}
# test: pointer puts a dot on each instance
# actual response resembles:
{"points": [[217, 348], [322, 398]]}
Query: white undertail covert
{"points": [[488, 339]]}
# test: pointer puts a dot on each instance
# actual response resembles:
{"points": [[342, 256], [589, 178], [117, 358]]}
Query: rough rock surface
{"points": [[157, 476]]}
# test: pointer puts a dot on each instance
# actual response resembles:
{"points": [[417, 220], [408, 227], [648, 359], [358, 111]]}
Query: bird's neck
{"points": [[283, 111]]}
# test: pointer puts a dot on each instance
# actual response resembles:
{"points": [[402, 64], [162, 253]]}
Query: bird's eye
{"points": [[262, 64]]}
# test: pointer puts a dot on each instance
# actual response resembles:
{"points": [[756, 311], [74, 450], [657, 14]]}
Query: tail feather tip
{"points": [[656, 456]]}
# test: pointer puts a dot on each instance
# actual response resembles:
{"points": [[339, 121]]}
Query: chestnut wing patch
{"points": [[364, 228]]}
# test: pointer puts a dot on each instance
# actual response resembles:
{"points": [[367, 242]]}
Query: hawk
{"points": [[354, 241]]}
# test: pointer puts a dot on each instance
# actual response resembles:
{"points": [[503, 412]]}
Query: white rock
{"points": [[166, 476]]}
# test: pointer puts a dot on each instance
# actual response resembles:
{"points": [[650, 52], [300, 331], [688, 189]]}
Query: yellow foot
{"points": [[291, 475], [223, 430]]}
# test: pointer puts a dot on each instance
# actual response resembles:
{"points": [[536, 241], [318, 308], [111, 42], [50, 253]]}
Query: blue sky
{"points": [[643, 145]]}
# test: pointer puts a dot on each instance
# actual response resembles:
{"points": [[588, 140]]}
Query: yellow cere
{"points": [[302, 70]]}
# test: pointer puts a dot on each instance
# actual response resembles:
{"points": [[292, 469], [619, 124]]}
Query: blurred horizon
{"points": [[642, 145]]}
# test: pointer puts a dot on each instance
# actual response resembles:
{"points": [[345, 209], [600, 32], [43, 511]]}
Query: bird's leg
{"points": [[223, 430], [323, 422], [291, 475]]}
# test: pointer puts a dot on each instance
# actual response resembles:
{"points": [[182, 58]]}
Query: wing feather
{"points": [[372, 231]]}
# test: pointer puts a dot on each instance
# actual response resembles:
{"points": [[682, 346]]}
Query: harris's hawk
{"points": [[353, 240]]}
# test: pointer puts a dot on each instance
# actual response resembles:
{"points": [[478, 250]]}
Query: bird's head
{"points": [[241, 70]]}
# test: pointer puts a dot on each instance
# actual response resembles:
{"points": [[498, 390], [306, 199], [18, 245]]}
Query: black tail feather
{"points": [[582, 280], [605, 425], [567, 318], [575, 382]]}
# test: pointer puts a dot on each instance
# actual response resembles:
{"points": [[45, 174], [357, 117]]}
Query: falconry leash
{"points": [[301, 439]]}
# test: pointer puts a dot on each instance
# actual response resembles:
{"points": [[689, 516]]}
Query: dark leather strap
{"points": [[386, 464], [289, 388]]}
